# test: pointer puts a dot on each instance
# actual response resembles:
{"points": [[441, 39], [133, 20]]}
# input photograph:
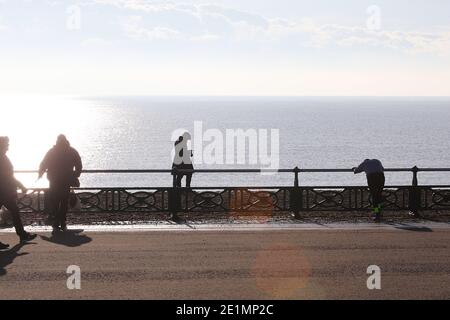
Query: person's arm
{"points": [[43, 167], [359, 169], [78, 164]]}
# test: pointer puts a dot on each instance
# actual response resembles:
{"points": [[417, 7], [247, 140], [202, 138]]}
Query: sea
{"points": [[129, 133]]}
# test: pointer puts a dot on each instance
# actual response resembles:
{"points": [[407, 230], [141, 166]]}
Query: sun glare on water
{"points": [[33, 123]]}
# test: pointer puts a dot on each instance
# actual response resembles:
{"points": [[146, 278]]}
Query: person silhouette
{"points": [[375, 179], [63, 166], [182, 161], [8, 193]]}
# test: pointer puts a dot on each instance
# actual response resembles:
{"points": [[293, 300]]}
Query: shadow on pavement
{"points": [[435, 220], [70, 238], [7, 257], [407, 227]]}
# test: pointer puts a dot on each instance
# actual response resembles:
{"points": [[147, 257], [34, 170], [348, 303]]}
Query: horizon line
{"points": [[33, 95]]}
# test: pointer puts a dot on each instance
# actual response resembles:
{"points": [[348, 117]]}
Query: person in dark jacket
{"points": [[182, 161], [375, 179], [63, 166], [8, 193]]}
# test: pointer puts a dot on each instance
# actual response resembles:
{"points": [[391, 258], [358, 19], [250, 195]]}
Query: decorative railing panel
{"points": [[435, 198], [293, 198], [33, 201], [350, 199], [279, 199]]}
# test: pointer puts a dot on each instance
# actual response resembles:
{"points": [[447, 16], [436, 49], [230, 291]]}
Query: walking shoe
{"points": [[377, 217], [3, 246], [175, 218], [27, 237], [415, 214]]}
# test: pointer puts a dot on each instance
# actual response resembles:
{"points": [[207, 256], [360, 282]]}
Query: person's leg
{"points": [[64, 207], [3, 245], [56, 206], [378, 185], [53, 206], [179, 179], [48, 207], [373, 184], [188, 180], [376, 192], [24, 236], [60, 211], [11, 205], [57, 220], [174, 180]]}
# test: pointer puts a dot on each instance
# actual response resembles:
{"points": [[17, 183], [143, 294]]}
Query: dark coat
{"points": [[8, 183], [62, 164], [182, 165]]}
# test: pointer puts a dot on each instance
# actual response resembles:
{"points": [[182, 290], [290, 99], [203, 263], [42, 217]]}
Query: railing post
{"points": [[415, 181], [296, 195], [414, 194]]}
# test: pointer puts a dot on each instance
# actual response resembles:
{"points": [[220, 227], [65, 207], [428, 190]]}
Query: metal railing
{"points": [[294, 198]]}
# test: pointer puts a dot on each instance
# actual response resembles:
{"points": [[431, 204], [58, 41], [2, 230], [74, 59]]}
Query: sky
{"points": [[225, 47]]}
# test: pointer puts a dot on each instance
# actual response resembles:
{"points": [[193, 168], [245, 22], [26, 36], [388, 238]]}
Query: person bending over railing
{"points": [[375, 179]]}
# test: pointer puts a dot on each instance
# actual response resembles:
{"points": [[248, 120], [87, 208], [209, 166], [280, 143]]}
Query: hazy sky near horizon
{"points": [[225, 47]]}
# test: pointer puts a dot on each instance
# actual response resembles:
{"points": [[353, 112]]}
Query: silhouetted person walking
{"points": [[63, 166], [182, 161], [8, 192], [375, 179]]}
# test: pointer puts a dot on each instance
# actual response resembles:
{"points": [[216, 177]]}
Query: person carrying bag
{"points": [[63, 166]]}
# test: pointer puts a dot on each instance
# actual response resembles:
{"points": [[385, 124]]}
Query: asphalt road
{"points": [[289, 264]]}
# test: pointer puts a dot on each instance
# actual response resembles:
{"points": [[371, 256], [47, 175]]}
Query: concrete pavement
{"points": [[325, 262]]}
